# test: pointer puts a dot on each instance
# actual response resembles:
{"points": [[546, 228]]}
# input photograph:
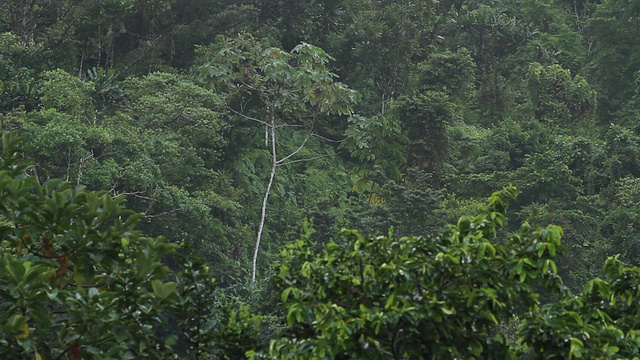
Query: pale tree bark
{"points": [[275, 162], [272, 175]]}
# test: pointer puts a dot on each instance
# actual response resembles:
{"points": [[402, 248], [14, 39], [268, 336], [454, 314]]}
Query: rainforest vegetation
{"points": [[319, 179]]}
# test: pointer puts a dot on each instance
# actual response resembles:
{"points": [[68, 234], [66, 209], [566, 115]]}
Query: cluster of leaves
{"points": [[79, 280], [405, 290], [598, 323], [380, 297]]}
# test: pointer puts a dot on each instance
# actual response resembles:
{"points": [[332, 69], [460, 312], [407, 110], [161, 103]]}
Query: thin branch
{"points": [[72, 283], [136, 194], [70, 23], [298, 149], [249, 117], [81, 167], [144, 215], [36, 253], [307, 159], [148, 209], [327, 139], [249, 86], [35, 173], [150, 44], [113, 188], [290, 125]]}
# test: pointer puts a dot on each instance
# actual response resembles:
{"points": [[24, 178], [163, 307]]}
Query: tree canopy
{"points": [[152, 146]]}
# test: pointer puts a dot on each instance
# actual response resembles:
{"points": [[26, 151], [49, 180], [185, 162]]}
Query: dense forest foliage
{"points": [[161, 157]]}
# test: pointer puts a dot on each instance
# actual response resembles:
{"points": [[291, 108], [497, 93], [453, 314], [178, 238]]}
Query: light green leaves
{"points": [[598, 323], [298, 83], [454, 289], [163, 290]]}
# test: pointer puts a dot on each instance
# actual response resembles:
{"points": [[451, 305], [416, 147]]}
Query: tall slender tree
{"points": [[284, 92]]}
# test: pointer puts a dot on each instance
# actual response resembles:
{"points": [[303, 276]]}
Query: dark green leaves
{"points": [[69, 283]]}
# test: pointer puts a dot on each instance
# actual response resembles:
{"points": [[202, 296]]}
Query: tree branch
{"points": [[145, 216], [307, 159], [298, 149], [248, 117], [327, 139]]}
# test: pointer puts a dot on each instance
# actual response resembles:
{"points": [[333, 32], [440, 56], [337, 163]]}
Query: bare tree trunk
{"points": [[274, 164]]}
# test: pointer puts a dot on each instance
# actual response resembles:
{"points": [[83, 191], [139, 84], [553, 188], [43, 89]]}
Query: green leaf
{"points": [[163, 290], [575, 316], [285, 294], [448, 311], [551, 263], [16, 269], [541, 246], [120, 333], [476, 348], [93, 292], [552, 248], [489, 315], [390, 301], [482, 247], [17, 323], [576, 348]]}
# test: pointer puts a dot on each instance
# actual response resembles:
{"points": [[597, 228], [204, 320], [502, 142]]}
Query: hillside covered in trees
{"points": [[152, 146]]}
